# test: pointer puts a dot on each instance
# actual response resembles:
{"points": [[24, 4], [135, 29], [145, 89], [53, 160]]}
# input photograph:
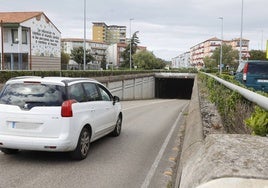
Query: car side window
{"points": [[91, 91], [76, 92], [105, 95]]}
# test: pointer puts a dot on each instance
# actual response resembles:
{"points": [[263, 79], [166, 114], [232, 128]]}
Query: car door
{"points": [[108, 108], [100, 110]]}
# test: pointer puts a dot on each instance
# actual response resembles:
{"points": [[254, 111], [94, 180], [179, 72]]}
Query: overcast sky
{"points": [[166, 27]]}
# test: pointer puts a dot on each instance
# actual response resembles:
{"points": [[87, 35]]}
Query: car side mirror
{"points": [[115, 99]]}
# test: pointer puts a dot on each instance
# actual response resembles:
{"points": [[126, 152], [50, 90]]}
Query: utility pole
{"points": [[130, 44], [84, 34], [221, 44], [241, 32]]}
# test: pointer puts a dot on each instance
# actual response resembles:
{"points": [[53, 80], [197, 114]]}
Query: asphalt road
{"points": [[137, 158]]}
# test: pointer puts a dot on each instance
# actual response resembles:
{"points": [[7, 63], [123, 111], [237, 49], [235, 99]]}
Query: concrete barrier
{"points": [[193, 138], [220, 160]]}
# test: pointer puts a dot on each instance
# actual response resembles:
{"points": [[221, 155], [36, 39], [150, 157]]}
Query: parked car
{"points": [[253, 74], [56, 114]]}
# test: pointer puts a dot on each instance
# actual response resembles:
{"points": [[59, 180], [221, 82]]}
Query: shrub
{"points": [[232, 107], [258, 122]]}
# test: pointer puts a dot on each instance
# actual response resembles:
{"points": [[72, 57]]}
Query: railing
{"points": [[256, 98]]}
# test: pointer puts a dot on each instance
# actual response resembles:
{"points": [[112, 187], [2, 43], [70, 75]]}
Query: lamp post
{"points": [[2, 45], [241, 32], [221, 18], [130, 43], [84, 34]]}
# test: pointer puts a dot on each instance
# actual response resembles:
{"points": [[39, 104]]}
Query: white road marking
{"points": [[152, 170], [146, 104]]}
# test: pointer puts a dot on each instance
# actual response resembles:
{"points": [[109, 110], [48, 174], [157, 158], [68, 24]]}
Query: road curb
{"points": [[193, 138]]}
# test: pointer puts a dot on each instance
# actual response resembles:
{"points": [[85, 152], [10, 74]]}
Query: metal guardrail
{"points": [[256, 98]]}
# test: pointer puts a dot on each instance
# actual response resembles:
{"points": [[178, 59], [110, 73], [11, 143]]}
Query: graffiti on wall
{"points": [[45, 38]]}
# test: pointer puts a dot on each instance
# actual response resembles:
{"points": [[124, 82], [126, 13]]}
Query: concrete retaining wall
{"points": [[130, 87], [220, 160]]}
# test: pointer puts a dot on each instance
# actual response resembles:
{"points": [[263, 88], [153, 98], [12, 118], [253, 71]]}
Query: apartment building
{"points": [[29, 41], [97, 49], [109, 34], [203, 49], [181, 61], [235, 43], [206, 48]]}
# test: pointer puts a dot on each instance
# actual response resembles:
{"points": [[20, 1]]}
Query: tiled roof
{"points": [[214, 39], [17, 17]]}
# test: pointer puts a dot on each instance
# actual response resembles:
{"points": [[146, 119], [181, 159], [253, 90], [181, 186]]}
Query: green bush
{"points": [[232, 107], [238, 114], [258, 122]]}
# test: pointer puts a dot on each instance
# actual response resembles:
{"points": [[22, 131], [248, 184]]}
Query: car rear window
{"points": [[28, 95], [258, 68]]}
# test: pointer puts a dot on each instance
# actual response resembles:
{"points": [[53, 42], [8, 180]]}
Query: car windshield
{"points": [[29, 95]]}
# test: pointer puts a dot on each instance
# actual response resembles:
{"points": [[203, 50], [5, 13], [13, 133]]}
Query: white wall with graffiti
{"points": [[45, 37]]}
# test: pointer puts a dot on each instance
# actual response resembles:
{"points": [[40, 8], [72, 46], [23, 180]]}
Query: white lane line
{"points": [[152, 170], [147, 104]]}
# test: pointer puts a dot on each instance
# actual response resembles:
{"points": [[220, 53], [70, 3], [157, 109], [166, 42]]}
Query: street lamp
{"points": [[221, 18], [84, 34], [241, 31], [130, 43]]}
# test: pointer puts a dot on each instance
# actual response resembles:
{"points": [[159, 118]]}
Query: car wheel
{"points": [[81, 150], [9, 151], [118, 127]]}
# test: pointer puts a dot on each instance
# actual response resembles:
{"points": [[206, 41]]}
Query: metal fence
{"points": [[256, 98]]}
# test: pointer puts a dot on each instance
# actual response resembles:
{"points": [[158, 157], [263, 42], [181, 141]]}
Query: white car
{"points": [[56, 114]]}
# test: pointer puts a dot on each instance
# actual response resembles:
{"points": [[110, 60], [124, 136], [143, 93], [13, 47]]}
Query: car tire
{"points": [[82, 148], [9, 151], [118, 127]]}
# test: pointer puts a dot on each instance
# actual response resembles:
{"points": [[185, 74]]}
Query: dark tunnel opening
{"points": [[173, 88]]}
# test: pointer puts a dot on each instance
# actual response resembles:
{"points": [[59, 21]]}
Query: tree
{"points": [[126, 53], [103, 63], [257, 55], [229, 56], [209, 62], [160, 63], [64, 59], [77, 54], [147, 60]]}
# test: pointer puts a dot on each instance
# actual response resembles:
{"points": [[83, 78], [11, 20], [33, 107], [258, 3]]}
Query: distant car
{"points": [[253, 74], [56, 114]]}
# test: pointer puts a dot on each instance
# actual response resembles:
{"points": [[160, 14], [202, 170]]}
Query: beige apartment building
{"points": [[109, 34], [206, 48]]}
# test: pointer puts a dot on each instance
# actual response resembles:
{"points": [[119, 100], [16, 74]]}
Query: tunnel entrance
{"points": [[173, 88]]}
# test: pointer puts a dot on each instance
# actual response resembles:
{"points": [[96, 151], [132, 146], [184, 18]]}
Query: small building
{"points": [[114, 53], [29, 41]]}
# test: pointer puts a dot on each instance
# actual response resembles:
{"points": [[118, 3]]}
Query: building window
{"points": [[24, 36], [14, 33]]}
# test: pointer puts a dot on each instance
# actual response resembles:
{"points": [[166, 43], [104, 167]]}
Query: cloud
{"points": [[166, 27]]}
